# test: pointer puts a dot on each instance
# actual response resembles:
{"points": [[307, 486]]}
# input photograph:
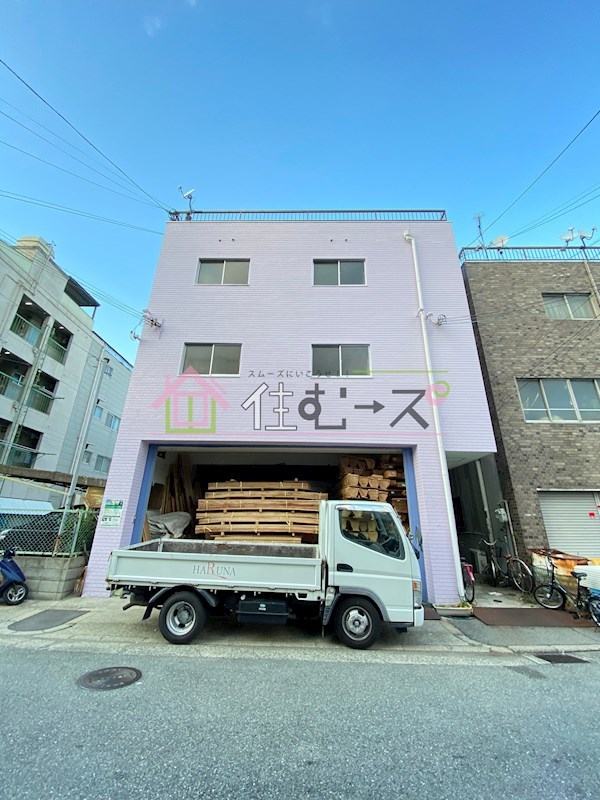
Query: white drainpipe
{"points": [[437, 426]]}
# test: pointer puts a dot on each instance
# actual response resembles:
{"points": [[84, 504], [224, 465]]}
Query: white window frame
{"points": [[98, 416], [224, 262], [212, 355], [577, 421], [563, 296], [339, 347], [108, 371], [339, 260], [87, 453]]}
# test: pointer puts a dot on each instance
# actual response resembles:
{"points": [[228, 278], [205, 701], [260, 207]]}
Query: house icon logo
{"points": [[190, 402]]}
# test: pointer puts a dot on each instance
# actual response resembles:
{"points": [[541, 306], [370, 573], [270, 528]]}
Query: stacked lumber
{"points": [[178, 492], [276, 511], [361, 479], [392, 466]]}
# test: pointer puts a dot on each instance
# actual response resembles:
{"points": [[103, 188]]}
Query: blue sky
{"points": [[265, 104]]}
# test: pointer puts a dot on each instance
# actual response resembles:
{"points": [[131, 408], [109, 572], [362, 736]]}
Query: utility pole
{"points": [[81, 442]]}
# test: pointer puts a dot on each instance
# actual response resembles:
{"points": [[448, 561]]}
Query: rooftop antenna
{"points": [[478, 217], [187, 196], [568, 236], [585, 236], [499, 242]]}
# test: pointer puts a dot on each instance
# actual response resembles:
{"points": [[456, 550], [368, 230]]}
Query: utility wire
{"points": [[75, 175], [508, 396], [61, 138], [542, 173], [561, 207], [34, 201], [120, 184], [78, 132], [557, 216]]}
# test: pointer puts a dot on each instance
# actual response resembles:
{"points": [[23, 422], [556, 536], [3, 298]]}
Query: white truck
{"points": [[362, 573]]}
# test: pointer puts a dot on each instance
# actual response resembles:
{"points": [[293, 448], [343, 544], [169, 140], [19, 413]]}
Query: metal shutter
{"points": [[572, 521]]}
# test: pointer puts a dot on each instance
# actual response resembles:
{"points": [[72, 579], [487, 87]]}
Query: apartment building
{"points": [[537, 312], [49, 358], [281, 341]]}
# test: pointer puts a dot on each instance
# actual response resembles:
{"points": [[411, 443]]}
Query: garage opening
{"points": [[271, 495]]}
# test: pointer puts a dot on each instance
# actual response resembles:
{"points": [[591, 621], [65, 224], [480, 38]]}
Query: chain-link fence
{"points": [[53, 533]]}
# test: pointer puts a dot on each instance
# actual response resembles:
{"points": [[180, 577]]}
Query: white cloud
{"points": [[152, 25]]}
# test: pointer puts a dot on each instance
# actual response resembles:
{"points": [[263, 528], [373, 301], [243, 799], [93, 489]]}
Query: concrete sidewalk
{"points": [[105, 623]]}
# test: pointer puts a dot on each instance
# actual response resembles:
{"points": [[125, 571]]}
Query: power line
{"points": [[78, 132], [577, 333], [120, 184], [34, 201], [61, 138], [542, 173], [74, 174], [557, 216], [566, 206]]}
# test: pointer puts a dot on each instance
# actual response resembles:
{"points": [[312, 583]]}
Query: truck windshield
{"points": [[375, 530]]}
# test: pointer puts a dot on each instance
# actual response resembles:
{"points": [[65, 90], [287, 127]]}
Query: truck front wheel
{"points": [[356, 622], [182, 617]]}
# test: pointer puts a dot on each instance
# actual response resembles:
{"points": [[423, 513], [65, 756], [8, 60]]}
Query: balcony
{"points": [[40, 399], [26, 330], [19, 456], [10, 387], [56, 350]]}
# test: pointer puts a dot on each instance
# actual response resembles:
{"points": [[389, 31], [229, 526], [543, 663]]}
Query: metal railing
{"points": [[40, 400], [56, 351], [530, 254], [26, 330], [39, 533], [19, 456], [434, 215], [10, 387]]}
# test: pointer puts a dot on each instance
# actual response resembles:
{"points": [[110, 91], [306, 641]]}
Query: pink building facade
{"points": [[289, 336]]}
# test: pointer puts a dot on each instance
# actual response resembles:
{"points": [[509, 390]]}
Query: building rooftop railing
{"points": [[530, 254], [309, 216]]}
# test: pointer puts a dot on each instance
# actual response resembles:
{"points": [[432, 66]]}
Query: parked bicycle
{"points": [[517, 571], [468, 580], [554, 595]]}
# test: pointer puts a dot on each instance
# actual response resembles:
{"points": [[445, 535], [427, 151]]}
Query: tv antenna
{"points": [[478, 217], [499, 242], [585, 236], [187, 195], [568, 236]]}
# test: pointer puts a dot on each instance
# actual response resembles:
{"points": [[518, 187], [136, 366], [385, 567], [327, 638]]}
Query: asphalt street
{"points": [[241, 723]]}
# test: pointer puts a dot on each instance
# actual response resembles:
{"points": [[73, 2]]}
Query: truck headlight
{"points": [[417, 594]]}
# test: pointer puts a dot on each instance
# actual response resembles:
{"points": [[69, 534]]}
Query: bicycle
{"points": [[554, 596], [517, 570], [468, 580]]}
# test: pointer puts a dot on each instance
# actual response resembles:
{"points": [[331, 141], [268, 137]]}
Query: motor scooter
{"points": [[13, 588]]}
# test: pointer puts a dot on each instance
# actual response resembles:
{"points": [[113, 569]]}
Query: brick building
{"points": [[537, 322]]}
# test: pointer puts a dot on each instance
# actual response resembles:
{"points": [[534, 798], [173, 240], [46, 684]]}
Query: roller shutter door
{"points": [[572, 521]]}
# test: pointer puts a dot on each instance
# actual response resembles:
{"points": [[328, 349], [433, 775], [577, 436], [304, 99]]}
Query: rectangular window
{"points": [[375, 530], [569, 306], [102, 464], [340, 360], [112, 421], [225, 271], [87, 456], [339, 273], [213, 359], [560, 399], [98, 412], [108, 371]]}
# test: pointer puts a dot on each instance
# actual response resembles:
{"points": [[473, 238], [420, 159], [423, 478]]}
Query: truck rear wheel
{"points": [[182, 617], [356, 622]]}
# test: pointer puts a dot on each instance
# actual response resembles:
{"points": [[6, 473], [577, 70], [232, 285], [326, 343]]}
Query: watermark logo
{"points": [[191, 402]]}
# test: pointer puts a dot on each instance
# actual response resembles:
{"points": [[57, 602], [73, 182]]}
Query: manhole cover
{"points": [[109, 678], [560, 658]]}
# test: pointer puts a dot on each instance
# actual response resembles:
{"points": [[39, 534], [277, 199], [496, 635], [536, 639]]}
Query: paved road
{"points": [[295, 725]]}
